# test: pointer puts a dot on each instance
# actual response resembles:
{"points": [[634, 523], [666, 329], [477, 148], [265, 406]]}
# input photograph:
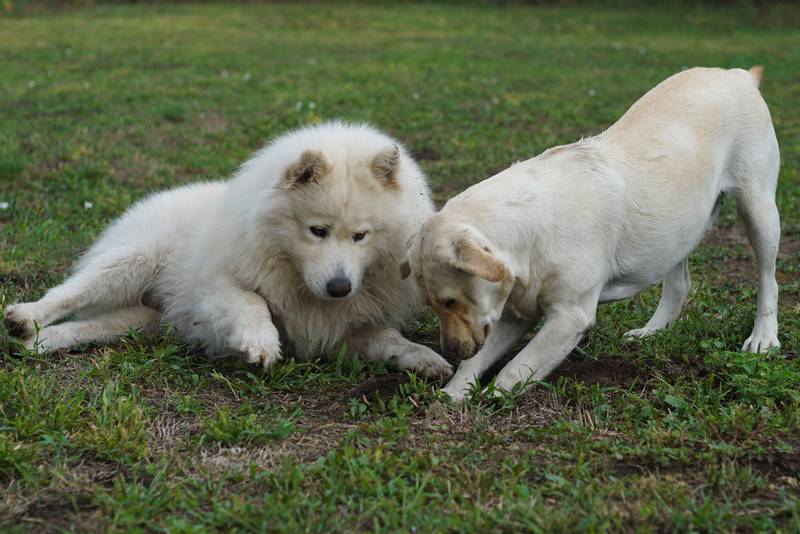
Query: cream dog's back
{"points": [[600, 220], [688, 140]]}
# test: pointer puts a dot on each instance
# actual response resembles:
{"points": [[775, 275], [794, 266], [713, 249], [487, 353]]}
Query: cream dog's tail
{"points": [[757, 72]]}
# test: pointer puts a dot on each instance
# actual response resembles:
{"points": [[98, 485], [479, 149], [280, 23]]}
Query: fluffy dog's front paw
{"points": [[19, 322], [426, 362], [264, 350]]}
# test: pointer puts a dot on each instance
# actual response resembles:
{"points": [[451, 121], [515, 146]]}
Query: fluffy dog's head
{"points": [[341, 203], [461, 278], [339, 215]]}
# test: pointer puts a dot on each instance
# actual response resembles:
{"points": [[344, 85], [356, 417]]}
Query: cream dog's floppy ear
{"points": [[385, 166], [478, 261], [405, 265], [405, 268], [311, 166]]}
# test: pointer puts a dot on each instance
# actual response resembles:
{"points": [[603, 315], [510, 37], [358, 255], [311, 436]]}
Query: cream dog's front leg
{"points": [[505, 334], [563, 328], [387, 344]]}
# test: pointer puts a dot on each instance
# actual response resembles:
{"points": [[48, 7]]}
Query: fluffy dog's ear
{"points": [[405, 268], [309, 168], [385, 166], [479, 261]]}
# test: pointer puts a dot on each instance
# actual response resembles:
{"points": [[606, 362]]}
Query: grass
{"points": [[102, 105]]}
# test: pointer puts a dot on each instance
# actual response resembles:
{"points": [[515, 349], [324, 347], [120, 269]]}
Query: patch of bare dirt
{"points": [[625, 468], [779, 464], [606, 372], [320, 429], [56, 507], [306, 444], [380, 386], [168, 432], [538, 408]]}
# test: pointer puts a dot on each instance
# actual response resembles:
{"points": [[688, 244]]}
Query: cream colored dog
{"points": [[300, 249], [600, 220]]}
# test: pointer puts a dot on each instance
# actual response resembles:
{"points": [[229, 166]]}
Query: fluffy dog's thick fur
{"points": [[300, 246], [601, 220]]}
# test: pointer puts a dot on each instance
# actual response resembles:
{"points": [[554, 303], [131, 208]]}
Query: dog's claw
{"points": [[263, 359], [760, 345], [457, 396], [639, 333], [261, 350]]}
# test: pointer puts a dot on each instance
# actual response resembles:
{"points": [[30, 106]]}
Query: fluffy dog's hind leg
{"points": [[113, 280], [674, 291], [105, 328]]}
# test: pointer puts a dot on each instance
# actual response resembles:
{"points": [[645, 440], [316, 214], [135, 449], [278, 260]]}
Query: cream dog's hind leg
{"points": [[762, 223], [105, 328], [755, 178], [674, 291]]}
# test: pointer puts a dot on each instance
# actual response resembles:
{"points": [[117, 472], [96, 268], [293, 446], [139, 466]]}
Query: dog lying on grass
{"points": [[304, 240], [600, 220]]}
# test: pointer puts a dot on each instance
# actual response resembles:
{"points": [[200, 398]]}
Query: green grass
{"points": [[102, 105]]}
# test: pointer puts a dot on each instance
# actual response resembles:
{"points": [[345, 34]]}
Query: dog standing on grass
{"points": [[601, 220], [301, 246]]}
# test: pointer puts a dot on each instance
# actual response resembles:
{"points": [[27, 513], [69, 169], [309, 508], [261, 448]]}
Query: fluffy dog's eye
{"points": [[319, 231], [449, 303], [358, 236]]}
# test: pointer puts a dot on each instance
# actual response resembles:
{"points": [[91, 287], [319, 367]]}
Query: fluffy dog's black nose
{"points": [[338, 287]]}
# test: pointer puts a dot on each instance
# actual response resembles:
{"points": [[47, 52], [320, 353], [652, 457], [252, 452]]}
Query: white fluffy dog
{"points": [[301, 245], [601, 220]]}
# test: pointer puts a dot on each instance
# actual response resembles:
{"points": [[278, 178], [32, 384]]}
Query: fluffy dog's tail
{"points": [[757, 72]]}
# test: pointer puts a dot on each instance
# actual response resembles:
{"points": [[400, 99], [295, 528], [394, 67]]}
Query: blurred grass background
{"points": [[101, 104]]}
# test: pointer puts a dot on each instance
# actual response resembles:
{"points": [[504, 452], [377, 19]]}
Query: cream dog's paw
{"points": [[458, 394], [760, 342], [639, 333]]}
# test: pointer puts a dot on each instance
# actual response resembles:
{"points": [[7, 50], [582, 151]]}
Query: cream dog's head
{"points": [[461, 278]]}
